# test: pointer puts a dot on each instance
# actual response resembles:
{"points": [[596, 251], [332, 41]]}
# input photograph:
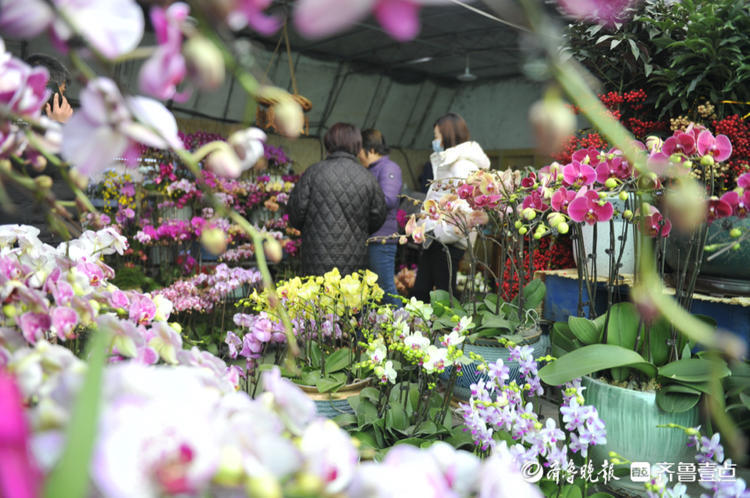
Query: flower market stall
{"points": [[584, 327]]}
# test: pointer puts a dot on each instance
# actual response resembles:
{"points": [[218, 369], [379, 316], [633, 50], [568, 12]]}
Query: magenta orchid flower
{"points": [[34, 325], [679, 143], [744, 181], [655, 224], [606, 12], [23, 89], [617, 167], [109, 126], [739, 202], [577, 174], [588, 156], [19, 476], [166, 68], [320, 18], [719, 147], [250, 13], [587, 207], [64, 320], [718, 208], [561, 199]]}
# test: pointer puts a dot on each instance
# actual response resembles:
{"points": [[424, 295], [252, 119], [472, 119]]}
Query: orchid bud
{"points": [[623, 196], [529, 213], [204, 61], [229, 472], [610, 183], [224, 162], [523, 230], [552, 121], [518, 224], [686, 204], [654, 143], [44, 182], [688, 164], [273, 250], [707, 160], [78, 179], [627, 214], [555, 219], [214, 240], [289, 118], [736, 247], [735, 232], [264, 486], [563, 228], [38, 162]]}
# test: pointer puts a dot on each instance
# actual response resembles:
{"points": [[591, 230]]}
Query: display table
{"points": [[561, 301]]}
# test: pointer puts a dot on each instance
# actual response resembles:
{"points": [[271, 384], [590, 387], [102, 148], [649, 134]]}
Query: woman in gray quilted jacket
{"points": [[336, 205]]}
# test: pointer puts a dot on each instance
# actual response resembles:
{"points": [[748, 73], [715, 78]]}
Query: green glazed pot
{"points": [[631, 419], [728, 273]]}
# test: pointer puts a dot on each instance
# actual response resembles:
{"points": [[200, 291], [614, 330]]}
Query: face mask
{"points": [[437, 146]]}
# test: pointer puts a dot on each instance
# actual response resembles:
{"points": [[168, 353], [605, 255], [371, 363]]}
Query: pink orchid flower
{"points": [[744, 181], [588, 156], [577, 174], [23, 89], [250, 13], [606, 12], [535, 201], [113, 27], [166, 68], [34, 325], [320, 18], [561, 199], [19, 476], [64, 320], [586, 207], [465, 191], [656, 224], [617, 167], [679, 143], [719, 147], [718, 208], [738, 201], [109, 126]]}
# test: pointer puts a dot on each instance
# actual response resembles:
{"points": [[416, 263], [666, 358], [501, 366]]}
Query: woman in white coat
{"points": [[455, 157]]}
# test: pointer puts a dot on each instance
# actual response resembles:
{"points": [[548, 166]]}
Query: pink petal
{"points": [[24, 18], [90, 148], [319, 18], [263, 24], [400, 18], [744, 180], [605, 212], [578, 208], [705, 142], [724, 146]]}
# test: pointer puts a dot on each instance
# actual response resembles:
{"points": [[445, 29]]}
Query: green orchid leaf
{"points": [[533, 294], [677, 398], [338, 360], [695, 370], [315, 355], [345, 419], [329, 384], [584, 330], [590, 359]]}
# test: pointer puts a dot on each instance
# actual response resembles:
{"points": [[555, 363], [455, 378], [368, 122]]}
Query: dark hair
{"points": [[453, 130], [374, 140], [58, 74], [343, 137]]}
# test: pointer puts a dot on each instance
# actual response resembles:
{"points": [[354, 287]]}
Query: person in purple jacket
{"points": [[382, 245]]}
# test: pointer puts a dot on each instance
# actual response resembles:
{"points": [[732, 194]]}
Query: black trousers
{"points": [[433, 270]]}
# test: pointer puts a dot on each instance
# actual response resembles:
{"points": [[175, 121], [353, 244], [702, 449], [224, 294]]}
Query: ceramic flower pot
{"points": [[631, 419], [492, 351], [331, 405], [727, 274]]}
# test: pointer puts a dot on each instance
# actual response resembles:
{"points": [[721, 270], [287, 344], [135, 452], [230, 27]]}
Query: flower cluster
{"points": [[716, 473], [56, 294], [404, 336], [499, 406], [174, 432], [202, 292], [326, 310]]}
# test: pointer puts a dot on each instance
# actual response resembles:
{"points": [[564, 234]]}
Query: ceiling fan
{"points": [[467, 76]]}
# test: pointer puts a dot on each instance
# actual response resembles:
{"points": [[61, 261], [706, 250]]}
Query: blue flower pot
{"points": [[331, 405]]}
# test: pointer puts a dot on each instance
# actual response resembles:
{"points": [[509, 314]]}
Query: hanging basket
{"points": [[265, 116]]}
